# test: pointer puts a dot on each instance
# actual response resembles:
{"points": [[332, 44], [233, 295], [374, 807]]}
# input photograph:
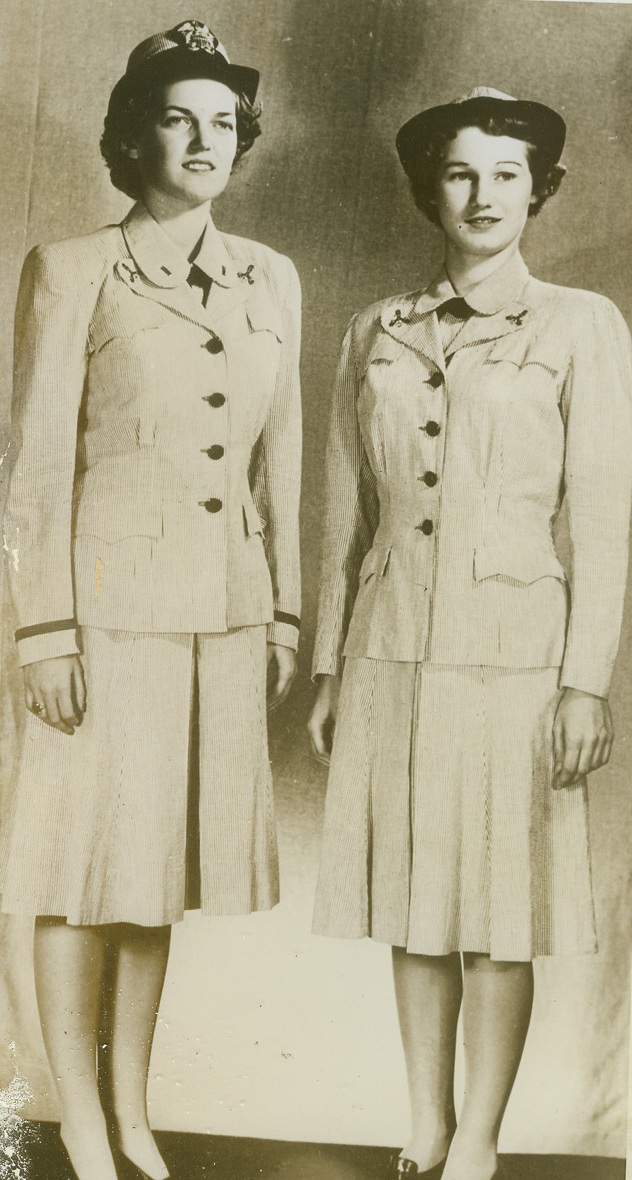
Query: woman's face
{"points": [[188, 143], [484, 190]]}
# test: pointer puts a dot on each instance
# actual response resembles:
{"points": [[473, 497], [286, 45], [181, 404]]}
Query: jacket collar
{"points": [[159, 270], [490, 296], [161, 262], [498, 303]]}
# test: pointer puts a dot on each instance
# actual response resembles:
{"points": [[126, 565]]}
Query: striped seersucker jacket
{"points": [[156, 441], [446, 474]]}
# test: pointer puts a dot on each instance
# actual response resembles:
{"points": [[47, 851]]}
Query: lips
{"points": [[482, 220], [199, 166]]}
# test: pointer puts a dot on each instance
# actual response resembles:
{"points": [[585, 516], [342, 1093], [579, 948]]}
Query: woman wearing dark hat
{"points": [[473, 701], [157, 435]]}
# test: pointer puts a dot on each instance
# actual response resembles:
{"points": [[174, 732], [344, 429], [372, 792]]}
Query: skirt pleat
{"points": [[162, 798], [442, 829]]}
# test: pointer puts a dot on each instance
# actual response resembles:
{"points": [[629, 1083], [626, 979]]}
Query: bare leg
{"points": [[138, 981], [68, 979], [428, 990], [497, 1000]]}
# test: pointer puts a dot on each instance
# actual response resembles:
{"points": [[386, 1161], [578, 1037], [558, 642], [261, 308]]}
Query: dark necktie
{"points": [[198, 279]]}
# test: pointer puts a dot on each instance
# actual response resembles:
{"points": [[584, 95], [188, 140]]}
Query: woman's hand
{"points": [[281, 673], [320, 726], [582, 736], [55, 690]]}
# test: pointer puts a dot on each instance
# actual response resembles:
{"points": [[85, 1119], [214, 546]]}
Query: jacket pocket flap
{"points": [[520, 350], [521, 564], [263, 316], [252, 520], [375, 562], [383, 349], [116, 521]]}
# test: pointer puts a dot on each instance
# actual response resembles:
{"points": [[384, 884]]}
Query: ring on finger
{"points": [[38, 708]]}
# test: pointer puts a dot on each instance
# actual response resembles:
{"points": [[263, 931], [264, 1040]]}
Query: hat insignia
{"points": [[197, 35]]}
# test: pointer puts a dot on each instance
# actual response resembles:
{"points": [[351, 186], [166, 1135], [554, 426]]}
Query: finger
{"points": [[558, 752], [588, 759], [570, 762], [318, 742], [603, 751], [53, 715], [79, 687], [66, 706]]}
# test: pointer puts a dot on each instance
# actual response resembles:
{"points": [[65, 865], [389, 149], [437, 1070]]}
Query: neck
{"points": [[466, 271], [184, 226]]}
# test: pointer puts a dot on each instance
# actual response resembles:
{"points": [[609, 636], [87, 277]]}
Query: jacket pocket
{"points": [[117, 521], [375, 564], [523, 564], [252, 521], [263, 316]]}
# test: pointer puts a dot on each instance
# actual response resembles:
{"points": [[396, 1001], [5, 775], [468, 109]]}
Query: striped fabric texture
{"points": [[445, 473], [156, 447], [162, 799], [442, 830]]}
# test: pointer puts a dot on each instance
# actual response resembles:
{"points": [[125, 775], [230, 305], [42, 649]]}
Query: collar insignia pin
{"points": [[247, 274], [517, 319], [397, 318]]}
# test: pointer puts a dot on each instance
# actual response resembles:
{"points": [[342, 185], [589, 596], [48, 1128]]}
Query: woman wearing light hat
{"points": [[153, 504], [473, 701]]}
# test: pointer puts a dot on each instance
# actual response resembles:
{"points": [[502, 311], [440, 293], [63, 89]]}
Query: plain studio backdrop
{"points": [[264, 1030]]}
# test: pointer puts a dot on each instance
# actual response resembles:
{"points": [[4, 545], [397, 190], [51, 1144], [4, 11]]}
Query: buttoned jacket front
{"points": [[446, 473], [156, 443]]}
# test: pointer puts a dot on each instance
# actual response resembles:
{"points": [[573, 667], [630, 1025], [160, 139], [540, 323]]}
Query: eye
{"points": [[225, 125], [459, 176], [506, 175], [175, 120]]}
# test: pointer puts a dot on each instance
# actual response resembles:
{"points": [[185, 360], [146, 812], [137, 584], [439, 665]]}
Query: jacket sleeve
{"points": [[351, 516], [597, 403], [276, 478], [51, 346]]}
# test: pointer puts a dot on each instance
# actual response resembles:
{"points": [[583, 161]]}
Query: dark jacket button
{"points": [[214, 344], [214, 452], [426, 527], [215, 399], [430, 478], [431, 428], [435, 379], [212, 505]]}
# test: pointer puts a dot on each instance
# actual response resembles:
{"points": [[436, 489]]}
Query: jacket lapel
{"points": [[416, 330]]}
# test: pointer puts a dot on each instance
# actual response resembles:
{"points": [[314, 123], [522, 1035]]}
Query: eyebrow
{"points": [[464, 164]]}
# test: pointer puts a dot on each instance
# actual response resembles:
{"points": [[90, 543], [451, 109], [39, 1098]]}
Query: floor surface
{"points": [[31, 1153]]}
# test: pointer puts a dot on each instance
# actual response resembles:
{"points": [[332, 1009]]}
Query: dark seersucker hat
{"points": [[189, 50], [547, 128]]}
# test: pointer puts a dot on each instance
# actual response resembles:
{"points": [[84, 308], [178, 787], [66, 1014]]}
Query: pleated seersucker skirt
{"points": [[162, 799], [442, 831]]}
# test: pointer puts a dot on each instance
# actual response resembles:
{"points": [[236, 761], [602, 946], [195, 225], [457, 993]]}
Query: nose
{"points": [[480, 193], [202, 138]]}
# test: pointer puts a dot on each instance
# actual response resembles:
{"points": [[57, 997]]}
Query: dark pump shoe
{"points": [[404, 1167]]}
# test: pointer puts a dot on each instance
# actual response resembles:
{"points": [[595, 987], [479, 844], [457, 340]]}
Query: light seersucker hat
{"points": [[189, 50], [546, 128]]}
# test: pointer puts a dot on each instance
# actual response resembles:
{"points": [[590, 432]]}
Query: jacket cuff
{"points": [[585, 683], [47, 645], [284, 630]]}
